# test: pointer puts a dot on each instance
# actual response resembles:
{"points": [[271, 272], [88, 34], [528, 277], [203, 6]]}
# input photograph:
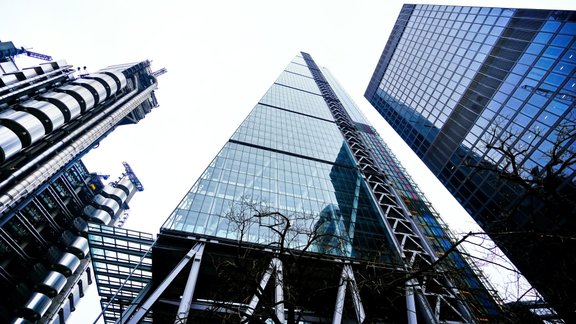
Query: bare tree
{"points": [[311, 250], [534, 216]]}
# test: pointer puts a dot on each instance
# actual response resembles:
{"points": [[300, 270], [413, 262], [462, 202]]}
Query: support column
{"points": [[347, 279], [275, 268], [186, 301], [141, 310], [410, 304]]}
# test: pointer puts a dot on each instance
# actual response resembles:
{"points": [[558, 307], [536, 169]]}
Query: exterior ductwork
{"points": [[83, 95], [117, 194], [69, 106], [10, 143], [28, 128], [95, 87], [67, 264], [97, 215], [50, 116], [107, 204], [117, 113], [36, 306], [53, 109], [52, 284], [126, 185], [77, 245]]}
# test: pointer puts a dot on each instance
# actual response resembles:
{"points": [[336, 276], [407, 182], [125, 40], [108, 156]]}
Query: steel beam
{"points": [[143, 309], [186, 301]]}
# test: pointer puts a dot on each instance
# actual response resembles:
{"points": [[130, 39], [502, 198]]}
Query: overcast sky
{"points": [[221, 57]]}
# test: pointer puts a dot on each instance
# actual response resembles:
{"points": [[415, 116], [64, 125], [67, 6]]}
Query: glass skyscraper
{"points": [[304, 206], [485, 97]]}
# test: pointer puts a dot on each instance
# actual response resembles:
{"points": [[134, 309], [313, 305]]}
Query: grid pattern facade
{"points": [[120, 259], [452, 79], [456, 72]]}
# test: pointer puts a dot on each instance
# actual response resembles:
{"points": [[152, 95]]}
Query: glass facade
{"points": [[290, 156], [452, 80]]}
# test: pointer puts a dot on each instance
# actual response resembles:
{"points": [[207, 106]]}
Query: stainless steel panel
{"points": [[29, 73], [117, 192], [96, 85], [10, 143], [80, 225], [82, 92], [67, 100], [67, 264], [97, 215], [21, 320], [9, 79], [121, 77], [37, 305], [66, 309], [46, 67], [108, 79], [76, 295], [32, 124], [107, 202], [53, 282], [126, 183], [50, 110], [80, 244]]}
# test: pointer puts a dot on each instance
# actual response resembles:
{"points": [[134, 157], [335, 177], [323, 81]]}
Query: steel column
{"points": [[143, 309], [186, 301]]}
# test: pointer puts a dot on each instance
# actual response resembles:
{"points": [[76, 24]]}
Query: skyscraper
{"points": [[50, 116], [305, 215], [485, 97]]}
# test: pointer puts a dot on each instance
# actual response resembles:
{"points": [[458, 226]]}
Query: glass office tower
{"points": [[485, 97], [305, 215]]}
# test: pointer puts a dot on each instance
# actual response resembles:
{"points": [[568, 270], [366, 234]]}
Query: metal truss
{"points": [[133, 315], [432, 289], [275, 268]]}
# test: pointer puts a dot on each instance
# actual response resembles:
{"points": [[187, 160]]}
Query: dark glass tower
{"points": [[51, 116], [486, 97], [305, 215]]}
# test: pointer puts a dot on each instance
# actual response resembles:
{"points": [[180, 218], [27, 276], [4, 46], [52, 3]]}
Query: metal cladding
{"points": [[69, 106], [25, 125], [96, 89], [107, 204], [77, 245], [30, 121], [126, 185], [50, 116], [80, 93], [67, 264], [52, 284], [36, 306], [118, 194], [81, 226], [10, 143], [97, 215]]}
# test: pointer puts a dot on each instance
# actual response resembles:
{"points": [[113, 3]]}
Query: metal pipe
{"points": [[410, 304], [35, 179], [187, 296], [63, 69]]}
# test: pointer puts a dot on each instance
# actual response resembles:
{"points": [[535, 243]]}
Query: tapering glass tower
{"points": [[305, 215]]}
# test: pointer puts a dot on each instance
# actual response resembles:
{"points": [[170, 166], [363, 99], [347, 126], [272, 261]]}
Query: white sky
{"points": [[221, 57]]}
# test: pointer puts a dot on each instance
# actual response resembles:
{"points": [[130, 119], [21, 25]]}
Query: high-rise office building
{"points": [[50, 116], [485, 97], [303, 216]]}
